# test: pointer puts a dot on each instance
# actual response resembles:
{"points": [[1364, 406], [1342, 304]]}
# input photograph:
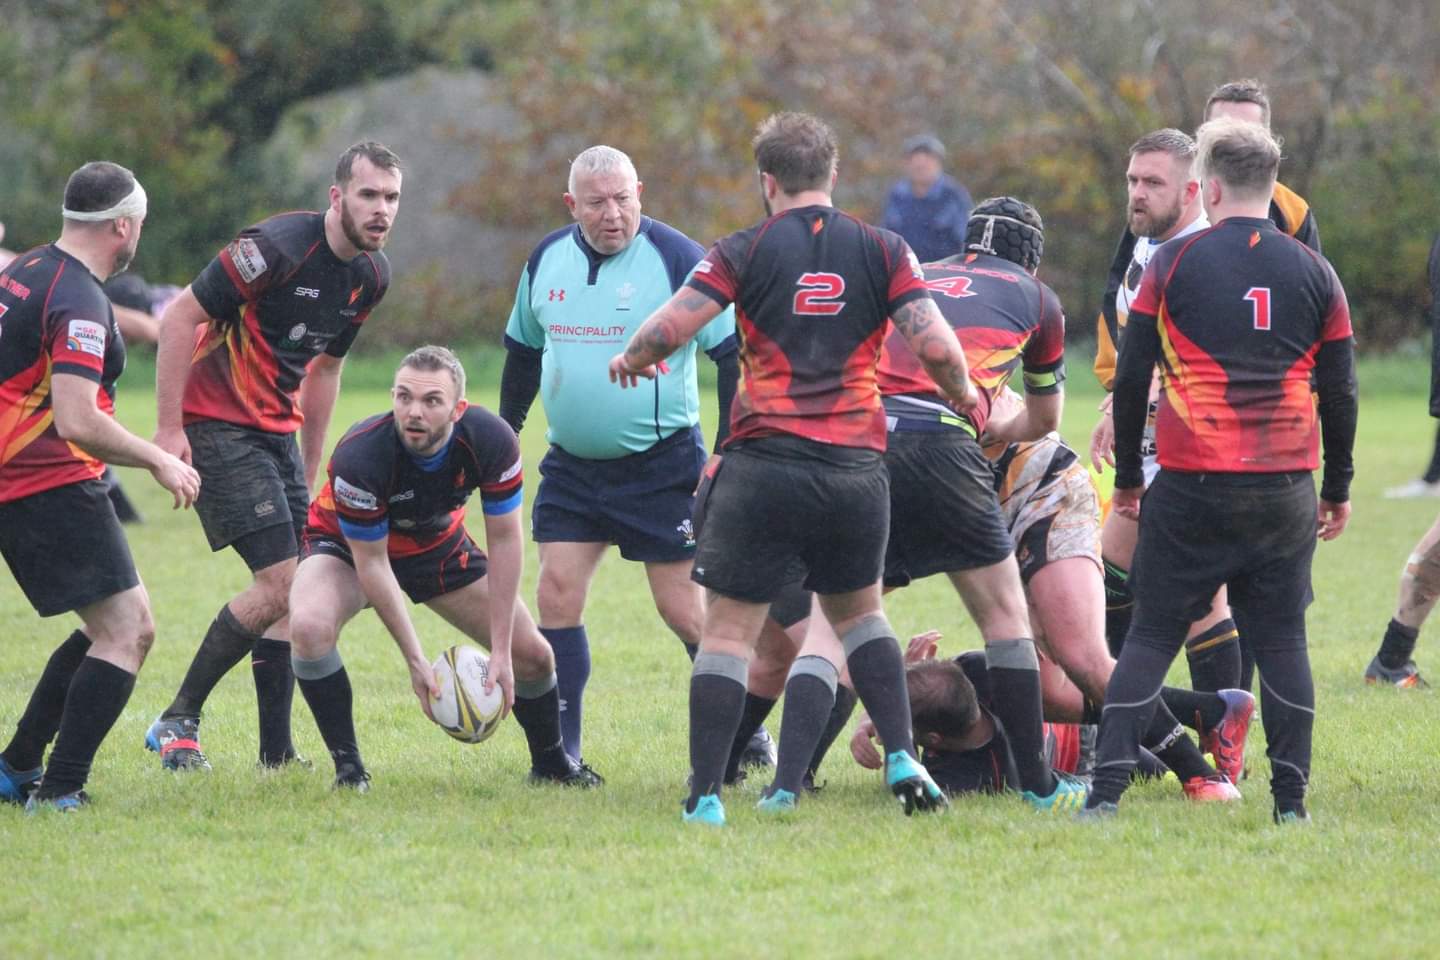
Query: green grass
{"points": [[452, 854]]}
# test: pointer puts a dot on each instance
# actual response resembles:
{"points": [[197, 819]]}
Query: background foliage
{"points": [[1039, 98]]}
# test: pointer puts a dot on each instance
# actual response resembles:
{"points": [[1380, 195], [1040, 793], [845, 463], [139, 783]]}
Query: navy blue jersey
{"points": [[377, 487]]}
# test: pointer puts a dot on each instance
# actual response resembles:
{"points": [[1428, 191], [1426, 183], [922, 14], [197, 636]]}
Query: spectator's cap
{"points": [[927, 142]]}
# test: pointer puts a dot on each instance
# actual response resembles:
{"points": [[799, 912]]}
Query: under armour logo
{"points": [[557, 295]]}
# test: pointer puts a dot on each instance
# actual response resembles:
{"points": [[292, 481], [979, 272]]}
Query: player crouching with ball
{"points": [[391, 518]]}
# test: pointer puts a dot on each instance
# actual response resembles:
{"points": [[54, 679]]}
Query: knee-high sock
{"points": [[572, 671], [1198, 711], [1398, 644], [41, 720], [325, 685], [537, 710], [98, 693], [1167, 740], [751, 717], [839, 717], [1119, 606], [877, 669], [717, 696], [274, 696], [809, 696], [1014, 673], [225, 644], [1214, 658]]}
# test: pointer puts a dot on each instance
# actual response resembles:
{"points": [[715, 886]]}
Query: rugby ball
{"points": [[463, 709]]}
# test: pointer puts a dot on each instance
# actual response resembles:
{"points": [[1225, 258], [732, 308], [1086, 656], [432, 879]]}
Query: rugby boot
{"points": [[708, 811], [776, 800], [65, 803], [1212, 789], [178, 743], [760, 751], [565, 770], [1290, 815], [17, 785], [1101, 812], [912, 785], [1406, 676], [1069, 795], [1225, 743], [352, 776]]}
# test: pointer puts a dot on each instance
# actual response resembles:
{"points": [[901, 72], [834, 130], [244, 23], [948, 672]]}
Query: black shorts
{"points": [[66, 548], [777, 500], [640, 503], [456, 563], [250, 481], [944, 515], [1252, 531]]}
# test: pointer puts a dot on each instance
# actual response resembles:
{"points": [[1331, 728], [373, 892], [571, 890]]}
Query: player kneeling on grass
{"points": [[392, 519]]}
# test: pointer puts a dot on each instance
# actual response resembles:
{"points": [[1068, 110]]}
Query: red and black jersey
{"points": [[377, 487], [54, 318], [813, 289], [285, 298], [1240, 311], [1003, 317]]}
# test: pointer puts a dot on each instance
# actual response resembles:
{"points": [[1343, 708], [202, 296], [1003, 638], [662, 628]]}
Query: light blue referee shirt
{"points": [[581, 308]]}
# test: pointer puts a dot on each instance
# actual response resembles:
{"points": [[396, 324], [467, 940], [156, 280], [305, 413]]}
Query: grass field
{"points": [[452, 854]]}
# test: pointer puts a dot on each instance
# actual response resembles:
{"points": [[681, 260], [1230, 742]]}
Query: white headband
{"points": [[133, 204]]}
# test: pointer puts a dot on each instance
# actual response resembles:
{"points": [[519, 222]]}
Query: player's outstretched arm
{"points": [[377, 580], [317, 402], [80, 421], [505, 543], [934, 343], [172, 370], [1031, 419], [666, 330]]}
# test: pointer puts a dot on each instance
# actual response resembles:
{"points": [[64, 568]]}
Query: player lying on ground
{"points": [[391, 523]]}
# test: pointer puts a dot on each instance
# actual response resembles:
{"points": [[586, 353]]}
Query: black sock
{"points": [[751, 717], [225, 644], [97, 695], [1149, 767], [1016, 700], [1130, 701], [1398, 645], [1119, 606], [834, 726], [572, 672], [878, 671], [1198, 711], [1287, 708], [809, 698], [1214, 657], [331, 700], [274, 692], [1432, 471], [41, 719], [539, 716], [1169, 742], [717, 696], [1247, 669]]}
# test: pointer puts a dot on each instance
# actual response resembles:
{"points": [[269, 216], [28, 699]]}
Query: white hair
{"points": [[600, 159]]}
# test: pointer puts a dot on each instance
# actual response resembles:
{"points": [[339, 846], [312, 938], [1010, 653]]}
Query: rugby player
{"points": [[622, 467], [250, 353], [813, 288], [390, 523], [1242, 318], [60, 355]]}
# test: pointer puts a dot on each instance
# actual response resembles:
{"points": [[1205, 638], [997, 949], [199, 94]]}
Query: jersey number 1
{"points": [[1259, 298], [819, 294]]}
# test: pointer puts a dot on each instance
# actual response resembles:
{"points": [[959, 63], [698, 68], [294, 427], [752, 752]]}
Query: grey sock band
{"points": [[1017, 654], [817, 667], [872, 627], [317, 669], [534, 689], [722, 665]]}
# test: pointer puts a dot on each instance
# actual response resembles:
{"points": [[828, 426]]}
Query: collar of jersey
{"points": [[436, 460]]}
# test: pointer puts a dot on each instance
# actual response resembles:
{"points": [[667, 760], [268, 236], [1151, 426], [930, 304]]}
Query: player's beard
{"points": [[764, 200], [1156, 224], [434, 440], [357, 237]]}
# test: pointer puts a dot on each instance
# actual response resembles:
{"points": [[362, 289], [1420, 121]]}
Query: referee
{"points": [[1240, 318]]}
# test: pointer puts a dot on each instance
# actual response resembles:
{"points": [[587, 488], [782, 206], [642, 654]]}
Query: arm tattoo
{"points": [[661, 335], [924, 328]]}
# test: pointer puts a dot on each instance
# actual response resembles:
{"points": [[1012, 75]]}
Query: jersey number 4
{"points": [[952, 286], [819, 294], [1259, 298]]}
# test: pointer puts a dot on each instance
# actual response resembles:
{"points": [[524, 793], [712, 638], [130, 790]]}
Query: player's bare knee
{"points": [[312, 634], [530, 656], [560, 603]]}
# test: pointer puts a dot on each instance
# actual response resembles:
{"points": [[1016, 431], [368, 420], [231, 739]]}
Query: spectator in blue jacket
{"points": [[928, 208]]}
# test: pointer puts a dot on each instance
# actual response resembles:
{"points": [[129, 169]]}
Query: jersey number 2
{"points": [[819, 294], [1259, 298]]}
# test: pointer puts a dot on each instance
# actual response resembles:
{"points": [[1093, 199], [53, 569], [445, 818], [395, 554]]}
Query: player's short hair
{"points": [[600, 159], [377, 153], [1177, 143], [797, 149], [1247, 90], [1009, 228], [1244, 156], [98, 185], [431, 358], [942, 698]]}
